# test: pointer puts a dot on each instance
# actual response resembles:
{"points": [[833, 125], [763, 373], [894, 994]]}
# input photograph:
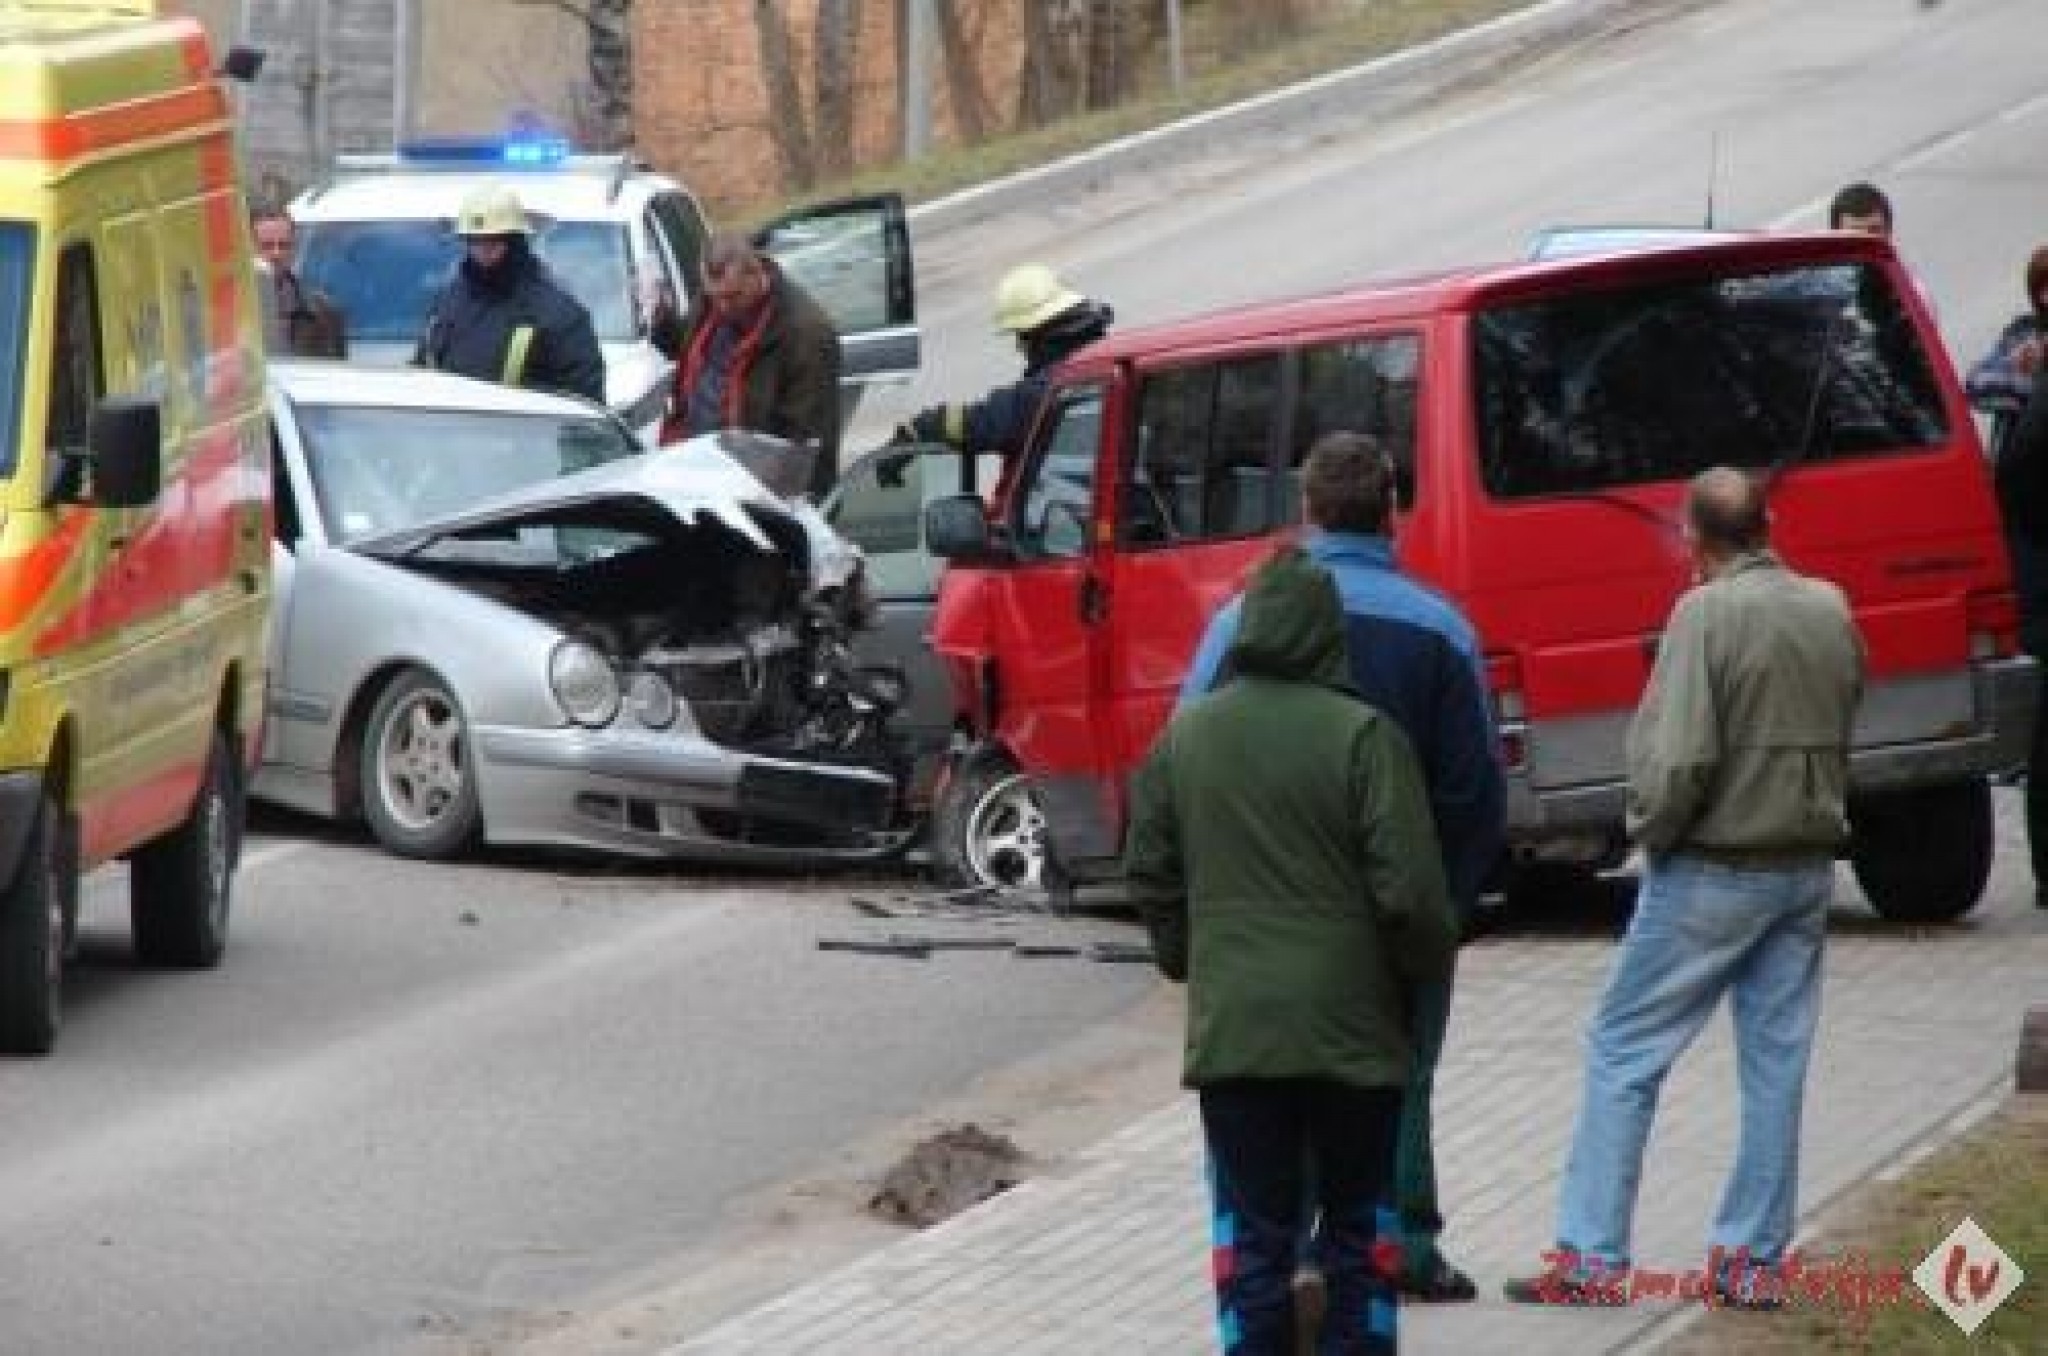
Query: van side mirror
{"points": [[243, 64], [956, 528], [125, 446]]}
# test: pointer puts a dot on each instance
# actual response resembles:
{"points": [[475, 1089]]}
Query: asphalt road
{"points": [[425, 1102]]}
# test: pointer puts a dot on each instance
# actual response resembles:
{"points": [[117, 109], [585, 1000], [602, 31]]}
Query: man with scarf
{"points": [[755, 352], [502, 317]]}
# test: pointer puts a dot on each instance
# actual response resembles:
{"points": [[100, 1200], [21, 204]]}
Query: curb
{"points": [[1397, 82]]}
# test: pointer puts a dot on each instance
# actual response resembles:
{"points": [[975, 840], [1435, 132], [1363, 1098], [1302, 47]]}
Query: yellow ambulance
{"points": [[134, 491]]}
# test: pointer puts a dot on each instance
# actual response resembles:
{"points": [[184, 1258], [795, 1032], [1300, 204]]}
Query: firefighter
{"points": [[503, 317], [1050, 321]]}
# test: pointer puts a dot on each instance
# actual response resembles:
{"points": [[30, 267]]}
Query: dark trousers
{"points": [[1414, 1191], [1266, 1137]]}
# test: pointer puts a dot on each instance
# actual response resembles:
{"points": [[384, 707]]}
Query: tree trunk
{"points": [[834, 57], [786, 124], [610, 26], [964, 88]]}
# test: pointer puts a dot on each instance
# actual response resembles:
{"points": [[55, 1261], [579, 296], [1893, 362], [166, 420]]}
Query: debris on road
{"points": [[947, 1173]]}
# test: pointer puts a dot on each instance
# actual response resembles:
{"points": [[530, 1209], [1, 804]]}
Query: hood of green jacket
{"points": [[1292, 625]]}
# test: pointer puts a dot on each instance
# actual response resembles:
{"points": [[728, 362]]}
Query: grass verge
{"points": [[1997, 1174]]}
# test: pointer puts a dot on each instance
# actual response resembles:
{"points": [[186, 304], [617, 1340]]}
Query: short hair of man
{"points": [[1348, 483], [726, 249], [1860, 199], [1728, 510]]}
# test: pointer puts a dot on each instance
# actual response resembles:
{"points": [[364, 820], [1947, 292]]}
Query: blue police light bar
{"points": [[517, 153]]}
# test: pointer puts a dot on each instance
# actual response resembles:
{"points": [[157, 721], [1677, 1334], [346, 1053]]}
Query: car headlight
{"points": [[651, 701], [584, 683]]}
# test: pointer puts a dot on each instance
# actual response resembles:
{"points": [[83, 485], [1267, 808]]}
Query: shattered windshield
{"points": [[385, 274], [1660, 381], [379, 470], [17, 272]]}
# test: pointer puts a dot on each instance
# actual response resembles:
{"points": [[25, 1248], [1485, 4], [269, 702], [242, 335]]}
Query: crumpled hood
{"points": [[687, 484], [1291, 625]]}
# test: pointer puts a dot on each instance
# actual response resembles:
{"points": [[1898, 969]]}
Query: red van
{"points": [[1545, 417]]}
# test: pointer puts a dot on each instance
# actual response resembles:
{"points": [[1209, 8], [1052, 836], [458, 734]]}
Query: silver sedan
{"points": [[498, 619]]}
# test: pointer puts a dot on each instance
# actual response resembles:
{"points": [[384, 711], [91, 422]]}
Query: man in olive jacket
{"points": [[1282, 853], [1738, 782]]}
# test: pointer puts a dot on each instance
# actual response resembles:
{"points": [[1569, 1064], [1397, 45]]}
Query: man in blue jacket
{"points": [[1414, 657]]}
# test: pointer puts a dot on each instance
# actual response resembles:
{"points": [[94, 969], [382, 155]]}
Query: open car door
{"points": [[853, 256]]}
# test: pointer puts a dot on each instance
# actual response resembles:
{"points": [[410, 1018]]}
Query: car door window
{"points": [[682, 231], [1058, 496], [1365, 385], [1204, 464], [879, 507]]}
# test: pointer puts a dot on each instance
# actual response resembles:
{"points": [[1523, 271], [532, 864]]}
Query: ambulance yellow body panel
{"points": [[134, 490]]}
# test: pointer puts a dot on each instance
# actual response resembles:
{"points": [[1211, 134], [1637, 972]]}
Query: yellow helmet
{"points": [[1031, 294], [493, 209]]}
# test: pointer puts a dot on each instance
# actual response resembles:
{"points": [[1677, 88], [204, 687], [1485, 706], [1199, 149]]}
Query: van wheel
{"points": [[36, 917], [419, 786], [180, 886], [989, 828], [1923, 855]]}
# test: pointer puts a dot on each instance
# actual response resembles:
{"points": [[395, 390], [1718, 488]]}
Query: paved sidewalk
{"points": [[1109, 1257]]}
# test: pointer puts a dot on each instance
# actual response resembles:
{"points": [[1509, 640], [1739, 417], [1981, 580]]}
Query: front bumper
{"points": [[670, 793], [2004, 693]]}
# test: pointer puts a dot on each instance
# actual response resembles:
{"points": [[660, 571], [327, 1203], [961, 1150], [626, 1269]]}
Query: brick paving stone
{"points": [[1110, 1254]]}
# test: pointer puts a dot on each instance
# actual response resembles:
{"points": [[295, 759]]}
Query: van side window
{"points": [[1660, 381], [77, 378], [1204, 465], [1358, 386], [1059, 495]]}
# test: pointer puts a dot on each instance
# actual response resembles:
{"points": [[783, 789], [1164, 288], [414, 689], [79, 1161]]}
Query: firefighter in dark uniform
{"points": [[502, 317], [1050, 321]]}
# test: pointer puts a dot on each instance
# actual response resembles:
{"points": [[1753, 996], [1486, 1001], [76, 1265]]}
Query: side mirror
{"points": [[243, 64], [125, 445], [956, 528]]}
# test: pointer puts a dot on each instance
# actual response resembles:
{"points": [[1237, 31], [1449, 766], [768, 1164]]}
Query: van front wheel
{"points": [[989, 827], [36, 913], [1923, 855], [179, 890]]}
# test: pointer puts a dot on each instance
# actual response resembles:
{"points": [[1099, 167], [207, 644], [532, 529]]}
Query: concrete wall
{"points": [[331, 80]]}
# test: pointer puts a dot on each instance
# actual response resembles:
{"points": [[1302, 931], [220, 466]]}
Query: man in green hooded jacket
{"points": [[1282, 852]]}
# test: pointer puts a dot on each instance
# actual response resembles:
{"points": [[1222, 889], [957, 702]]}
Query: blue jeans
{"points": [[1701, 929]]}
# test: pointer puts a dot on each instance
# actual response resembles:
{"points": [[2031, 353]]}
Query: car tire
{"points": [[1923, 855], [181, 885], [989, 827], [37, 909], [418, 780]]}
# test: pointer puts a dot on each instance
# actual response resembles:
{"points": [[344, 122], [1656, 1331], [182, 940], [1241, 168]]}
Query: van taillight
{"points": [[1994, 618], [1504, 677]]}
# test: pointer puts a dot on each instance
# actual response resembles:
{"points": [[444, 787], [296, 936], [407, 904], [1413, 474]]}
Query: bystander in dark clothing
{"points": [[308, 323], [502, 317], [754, 352], [2000, 381], [1738, 780], [1415, 658], [1282, 855], [1051, 322]]}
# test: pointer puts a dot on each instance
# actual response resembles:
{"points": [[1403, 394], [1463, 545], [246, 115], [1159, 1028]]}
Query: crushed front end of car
{"points": [[710, 702]]}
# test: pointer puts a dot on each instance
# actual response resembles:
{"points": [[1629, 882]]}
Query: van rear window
{"points": [[1657, 382], [17, 271]]}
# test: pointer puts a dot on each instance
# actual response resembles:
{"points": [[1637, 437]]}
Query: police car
{"points": [[377, 236]]}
